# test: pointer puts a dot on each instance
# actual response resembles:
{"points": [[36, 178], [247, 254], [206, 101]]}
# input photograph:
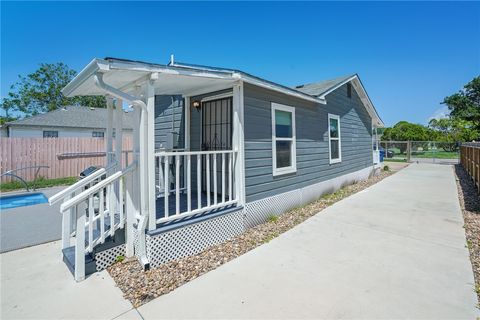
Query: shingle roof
{"points": [[73, 116], [318, 88]]}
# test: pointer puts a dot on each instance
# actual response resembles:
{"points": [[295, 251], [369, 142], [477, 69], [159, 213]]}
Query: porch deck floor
{"points": [[160, 206]]}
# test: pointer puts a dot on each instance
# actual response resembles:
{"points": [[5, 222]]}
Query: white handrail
{"points": [[76, 186], [85, 194], [192, 153]]}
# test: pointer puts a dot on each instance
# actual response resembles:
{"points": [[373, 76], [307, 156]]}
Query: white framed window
{"points": [[284, 159], [334, 143], [50, 134], [98, 134]]}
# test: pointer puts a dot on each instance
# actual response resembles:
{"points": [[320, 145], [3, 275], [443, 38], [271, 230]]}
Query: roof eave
{"points": [[94, 66], [369, 106]]}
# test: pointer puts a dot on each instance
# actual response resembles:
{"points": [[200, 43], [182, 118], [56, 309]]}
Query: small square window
{"points": [[98, 134], [50, 134]]}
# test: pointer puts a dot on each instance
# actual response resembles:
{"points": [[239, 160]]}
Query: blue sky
{"points": [[409, 55]]}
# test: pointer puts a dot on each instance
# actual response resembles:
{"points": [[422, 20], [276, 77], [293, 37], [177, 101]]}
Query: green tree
{"points": [[406, 131], [452, 130], [40, 92], [465, 104]]}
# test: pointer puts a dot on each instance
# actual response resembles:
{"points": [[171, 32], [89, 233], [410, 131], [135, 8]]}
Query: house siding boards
{"points": [[311, 137], [165, 109]]}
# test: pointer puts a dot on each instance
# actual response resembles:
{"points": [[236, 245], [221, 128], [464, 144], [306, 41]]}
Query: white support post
{"points": [[118, 151], [109, 147], [80, 244], [238, 143], [187, 123], [150, 136], [186, 135], [142, 163], [118, 132], [135, 193]]}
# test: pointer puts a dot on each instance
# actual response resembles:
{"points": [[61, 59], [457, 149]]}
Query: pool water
{"points": [[22, 200]]}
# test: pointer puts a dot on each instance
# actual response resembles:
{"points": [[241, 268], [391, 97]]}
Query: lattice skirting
{"points": [[257, 212], [136, 243], [107, 257], [194, 238]]}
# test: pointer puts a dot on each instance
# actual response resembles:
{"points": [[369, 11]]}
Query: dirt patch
{"points": [[140, 286], [470, 204]]}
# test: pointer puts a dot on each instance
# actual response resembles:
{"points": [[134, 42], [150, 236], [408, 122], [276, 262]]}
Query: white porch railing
{"points": [[99, 212], [204, 179]]}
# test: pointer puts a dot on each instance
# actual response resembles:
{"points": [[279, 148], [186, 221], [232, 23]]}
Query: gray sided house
{"points": [[70, 121], [217, 151]]}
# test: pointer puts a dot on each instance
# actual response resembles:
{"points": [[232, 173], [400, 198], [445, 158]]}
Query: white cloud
{"points": [[440, 113]]}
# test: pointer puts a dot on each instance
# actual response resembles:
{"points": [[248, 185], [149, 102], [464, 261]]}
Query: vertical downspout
{"points": [[142, 156]]}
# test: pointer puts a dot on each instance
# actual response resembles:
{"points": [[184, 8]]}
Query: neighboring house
{"points": [[70, 121], [219, 151]]}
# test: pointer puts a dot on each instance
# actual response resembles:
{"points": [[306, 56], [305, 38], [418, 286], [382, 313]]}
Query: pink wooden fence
{"points": [[65, 157]]}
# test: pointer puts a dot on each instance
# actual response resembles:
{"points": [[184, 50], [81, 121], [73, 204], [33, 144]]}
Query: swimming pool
{"points": [[22, 200]]}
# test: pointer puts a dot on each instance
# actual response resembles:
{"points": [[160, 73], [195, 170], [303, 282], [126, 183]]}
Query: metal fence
{"points": [[421, 151]]}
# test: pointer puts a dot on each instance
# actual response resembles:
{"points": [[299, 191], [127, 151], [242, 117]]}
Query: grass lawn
{"points": [[39, 183], [435, 154], [394, 160]]}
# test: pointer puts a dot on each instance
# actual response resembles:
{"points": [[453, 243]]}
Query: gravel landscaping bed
{"points": [[140, 286], [470, 204]]}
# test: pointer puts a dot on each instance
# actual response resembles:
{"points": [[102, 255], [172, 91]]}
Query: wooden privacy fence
{"points": [[470, 160], [65, 157]]}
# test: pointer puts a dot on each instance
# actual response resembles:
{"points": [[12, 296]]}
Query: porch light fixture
{"points": [[196, 104]]}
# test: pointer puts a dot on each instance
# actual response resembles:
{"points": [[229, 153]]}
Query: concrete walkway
{"points": [[36, 284], [395, 250]]}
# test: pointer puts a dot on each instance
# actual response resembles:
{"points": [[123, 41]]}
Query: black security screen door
{"points": [[217, 124], [216, 135]]}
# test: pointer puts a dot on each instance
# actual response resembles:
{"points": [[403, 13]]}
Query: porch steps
{"points": [[90, 262], [69, 259]]}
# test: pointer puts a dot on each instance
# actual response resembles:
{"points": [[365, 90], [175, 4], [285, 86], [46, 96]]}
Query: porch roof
{"points": [[130, 76], [186, 79]]}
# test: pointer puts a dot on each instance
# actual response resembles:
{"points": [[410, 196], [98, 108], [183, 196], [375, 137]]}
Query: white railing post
{"points": [[66, 225], [120, 198], [91, 215], [207, 156], [177, 184], [199, 181], [215, 192], [189, 184], [223, 177], [111, 198], [80, 244], [230, 175], [166, 186], [101, 212], [130, 212]]}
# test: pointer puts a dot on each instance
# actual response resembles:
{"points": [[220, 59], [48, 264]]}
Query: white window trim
{"points": [[293, 139], [339, 159]]}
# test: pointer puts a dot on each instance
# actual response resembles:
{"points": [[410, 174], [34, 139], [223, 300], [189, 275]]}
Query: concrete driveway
{"points": [[36, 284], [31, 225], [395, 250]]}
